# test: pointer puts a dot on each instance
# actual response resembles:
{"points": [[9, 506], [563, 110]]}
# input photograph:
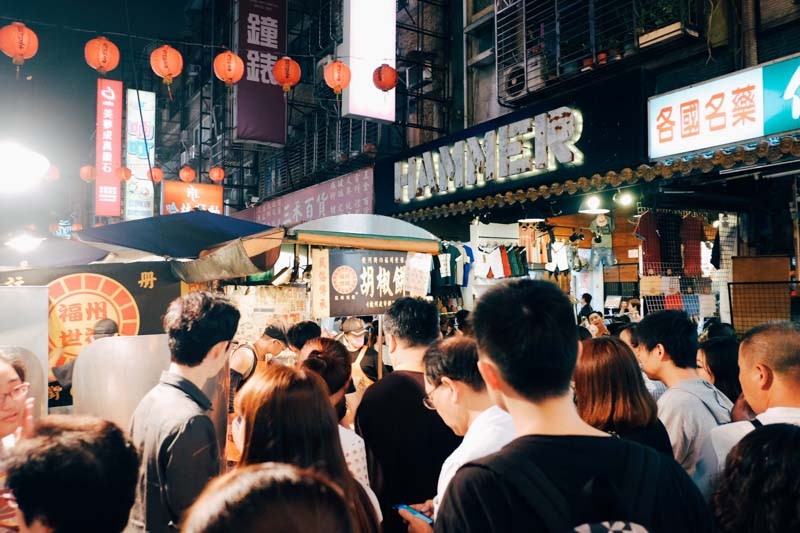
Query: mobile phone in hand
{"points": [[414, 512]]}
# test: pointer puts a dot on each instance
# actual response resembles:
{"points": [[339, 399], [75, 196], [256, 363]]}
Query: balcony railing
{"points": [[541, 44]]}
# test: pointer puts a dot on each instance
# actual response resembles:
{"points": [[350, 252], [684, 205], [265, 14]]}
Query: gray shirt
{"points": [[179, 453]]}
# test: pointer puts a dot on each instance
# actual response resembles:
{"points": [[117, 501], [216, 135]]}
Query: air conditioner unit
{"points": [[512, 82]]}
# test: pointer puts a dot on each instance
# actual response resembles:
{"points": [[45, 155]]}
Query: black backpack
{"points": [[550, 505]]}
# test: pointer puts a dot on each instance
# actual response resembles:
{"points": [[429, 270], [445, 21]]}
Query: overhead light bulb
{"points": [[593, 205], [22, 168], [24, 242], [623, 198]]}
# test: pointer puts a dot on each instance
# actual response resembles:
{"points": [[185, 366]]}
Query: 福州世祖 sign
{"points": [[523, 148], [743, 106], [355, 282]]}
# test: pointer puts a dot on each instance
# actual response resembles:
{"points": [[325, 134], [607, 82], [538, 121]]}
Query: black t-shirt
{"points": [[406, 443], [479, 500], [655, 437], [369, 363]]}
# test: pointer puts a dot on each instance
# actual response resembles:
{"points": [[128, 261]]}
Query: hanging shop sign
{"points": [[523, 148], [108, 147], [260, 112], [370, 40], [348, 194], [746, 105], [180, 197], [140, 153], [134, 296], [564, 137], [355, 282]]}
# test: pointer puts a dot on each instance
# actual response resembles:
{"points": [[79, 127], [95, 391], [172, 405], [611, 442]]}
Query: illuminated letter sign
{"points": [[108, 134]]}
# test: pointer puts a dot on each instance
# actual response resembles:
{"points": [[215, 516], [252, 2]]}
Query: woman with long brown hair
{"points": [[284, 415], [611, 394]]}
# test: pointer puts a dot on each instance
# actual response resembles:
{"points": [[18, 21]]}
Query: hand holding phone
{"points": [[414, 513]]}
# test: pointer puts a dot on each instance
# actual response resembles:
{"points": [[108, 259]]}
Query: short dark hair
{"points": [[195, 323], [758, 489], [584, 333], [675, 331], [455, 358], [777, 344], [463, 322], [275, 331], [722, 359], [630, 328], [75, 474], [587, 297], [719, 329], [302, 332], [412, 320], [528, 329], [270, 497]]}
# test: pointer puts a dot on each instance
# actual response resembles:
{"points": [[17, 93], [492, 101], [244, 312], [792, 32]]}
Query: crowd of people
{"points": [[516, 421]]}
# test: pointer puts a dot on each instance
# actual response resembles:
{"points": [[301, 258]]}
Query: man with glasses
{"points": [[175, 437], [456, 390]]}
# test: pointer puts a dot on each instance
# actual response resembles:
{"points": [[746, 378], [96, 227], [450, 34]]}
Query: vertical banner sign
{"points": [[139, 148], [356, 282], [260, 101], [370, 40], [109, 145]]}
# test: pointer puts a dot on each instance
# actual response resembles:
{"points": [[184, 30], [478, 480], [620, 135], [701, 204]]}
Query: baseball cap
{"points": [[354, 326]]}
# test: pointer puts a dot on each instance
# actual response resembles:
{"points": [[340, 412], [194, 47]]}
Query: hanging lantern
{"points": [[167, 63], [337, 76], [87, 173], [101, 54], [286, 72], [124, 173], [18, 42], [155, 175], [229, 67], [52, 173], [385, 78], [217, 174], [187, 174]]}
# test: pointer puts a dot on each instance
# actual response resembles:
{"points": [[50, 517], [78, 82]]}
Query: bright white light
{"points": [[592, 207], [24, 242], [593, 203], [625, 199], [531, 220], [22, 168], [715, 223]]}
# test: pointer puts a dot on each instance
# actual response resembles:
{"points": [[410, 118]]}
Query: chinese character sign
{"points": [[108, 147], [743, 106], [139, 147], [180, 197], [350, 194], [356, 282], [260, 102]]}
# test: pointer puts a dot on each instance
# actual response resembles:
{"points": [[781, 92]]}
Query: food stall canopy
{"points": [[52, 252], [370, 232], [221, 247]]}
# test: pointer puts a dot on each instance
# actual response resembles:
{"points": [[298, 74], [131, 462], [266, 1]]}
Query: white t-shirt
{"points": [[355, 455], [488, 434], [722, 439]]}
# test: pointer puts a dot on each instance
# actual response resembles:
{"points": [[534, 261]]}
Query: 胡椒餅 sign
{"points": [[562, 138], [260, 109], [355, 282], [743, 106], [108, 148]]}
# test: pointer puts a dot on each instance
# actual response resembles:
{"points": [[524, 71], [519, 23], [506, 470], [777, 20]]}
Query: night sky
{"points": [[54, 111]]}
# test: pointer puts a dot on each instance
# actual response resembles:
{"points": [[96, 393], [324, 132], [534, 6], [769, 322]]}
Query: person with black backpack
{"points": [[560, 472]]}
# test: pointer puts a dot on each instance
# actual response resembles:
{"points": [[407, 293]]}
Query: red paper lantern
{"points": [[167, 63], [217, 174], [18, 42], [229, 67], [52, 173], [87, 173], [155, 175], [337, 76], [187, 174], [385, 78], [287, 73], [124, 173], [101, 54]]}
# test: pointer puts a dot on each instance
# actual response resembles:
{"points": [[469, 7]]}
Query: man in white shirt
{"points": [[455, 389], [769, 371], [691, 407]]}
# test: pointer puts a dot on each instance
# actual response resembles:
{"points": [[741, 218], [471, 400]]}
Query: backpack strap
{"points": [[756, 423], [534, 487]]}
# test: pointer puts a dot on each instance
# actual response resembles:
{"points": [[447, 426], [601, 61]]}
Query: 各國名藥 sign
{"points": [[356, 282], [108, 148], [349, 194], [745, 105], [180, 197], [140, 153], [260, 113]]}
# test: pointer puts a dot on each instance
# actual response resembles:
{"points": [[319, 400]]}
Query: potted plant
{"points": [[588, 59], [660, 20]]}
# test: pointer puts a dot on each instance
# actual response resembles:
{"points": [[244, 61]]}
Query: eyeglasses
{"points": [[427, 401], [17, 393]]}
